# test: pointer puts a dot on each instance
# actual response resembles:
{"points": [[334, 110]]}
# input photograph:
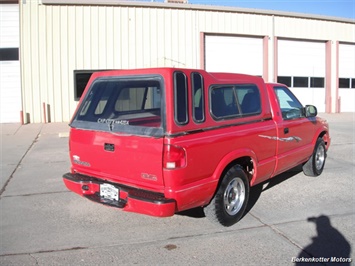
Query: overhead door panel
{"points": [[301, 66], [234, 54], [10, 85], [299, 58], [347, 77]]}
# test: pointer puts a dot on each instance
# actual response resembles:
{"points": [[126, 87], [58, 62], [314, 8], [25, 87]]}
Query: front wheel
{"points": [[315, 164], [229, 203]]}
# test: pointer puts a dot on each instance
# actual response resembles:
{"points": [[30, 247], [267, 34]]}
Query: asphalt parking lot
{"points": [[290, 220]]}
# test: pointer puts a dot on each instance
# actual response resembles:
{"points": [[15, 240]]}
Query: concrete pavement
{"points": [[291, 219]]}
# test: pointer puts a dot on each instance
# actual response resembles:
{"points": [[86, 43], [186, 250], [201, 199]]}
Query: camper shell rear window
{"points": [[123, 104]]}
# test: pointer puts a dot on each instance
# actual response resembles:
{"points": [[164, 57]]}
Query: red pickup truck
{"points": [[163, 140]]}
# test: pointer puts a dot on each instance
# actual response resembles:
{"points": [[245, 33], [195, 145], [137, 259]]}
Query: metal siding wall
{"points": [[25, 58], [55, 40], [299, 28], [59, 39], [234, 23]]}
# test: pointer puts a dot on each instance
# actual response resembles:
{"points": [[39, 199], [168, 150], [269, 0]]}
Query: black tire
{"points": [[229, 203], [315, 164]]}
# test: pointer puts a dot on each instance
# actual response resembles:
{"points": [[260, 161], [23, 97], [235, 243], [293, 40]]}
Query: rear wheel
{"points": [[229, 203], [315, 164]]}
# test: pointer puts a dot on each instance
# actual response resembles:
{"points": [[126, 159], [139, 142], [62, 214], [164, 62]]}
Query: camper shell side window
{"points": [[180, 98], [198, 97], [231, 101]]}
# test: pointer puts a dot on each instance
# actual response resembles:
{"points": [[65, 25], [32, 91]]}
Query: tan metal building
{"points": [[62, 42]]}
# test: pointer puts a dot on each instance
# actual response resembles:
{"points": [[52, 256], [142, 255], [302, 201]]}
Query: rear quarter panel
{"points": [[210, 153]]}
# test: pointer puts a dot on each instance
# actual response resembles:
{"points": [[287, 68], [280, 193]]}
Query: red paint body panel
{"points": [[161, 166], [116, 166]]}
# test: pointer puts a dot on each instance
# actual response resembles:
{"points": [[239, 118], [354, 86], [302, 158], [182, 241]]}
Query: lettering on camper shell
{"points": [[112, 122]]}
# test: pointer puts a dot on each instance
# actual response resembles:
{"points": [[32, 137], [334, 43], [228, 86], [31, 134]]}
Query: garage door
{"points": [[234, 54], [347, 77], [10, 84], [301, 66]]}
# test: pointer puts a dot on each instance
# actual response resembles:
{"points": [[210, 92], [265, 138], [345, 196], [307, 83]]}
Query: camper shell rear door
{"points": [[117, 132]]}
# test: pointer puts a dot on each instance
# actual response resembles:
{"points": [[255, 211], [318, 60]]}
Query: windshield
{"points": [[128, 105]]}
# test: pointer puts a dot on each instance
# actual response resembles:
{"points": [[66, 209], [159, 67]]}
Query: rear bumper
{"points": [[130, 199]]}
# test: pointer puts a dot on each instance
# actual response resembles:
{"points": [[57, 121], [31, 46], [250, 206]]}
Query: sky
{"points": [[333, 8]]}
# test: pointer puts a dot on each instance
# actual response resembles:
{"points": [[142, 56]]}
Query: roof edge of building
{"points": [[196, 7]]}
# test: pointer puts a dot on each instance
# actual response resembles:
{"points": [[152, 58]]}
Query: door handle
{"points": [[286, 130]]}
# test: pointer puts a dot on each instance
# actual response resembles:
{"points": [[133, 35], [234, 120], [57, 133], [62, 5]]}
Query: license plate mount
{"points": [[109, 191]]}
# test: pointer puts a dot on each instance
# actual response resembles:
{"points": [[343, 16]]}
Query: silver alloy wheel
{"points": [[234, 196], [320, 157]]}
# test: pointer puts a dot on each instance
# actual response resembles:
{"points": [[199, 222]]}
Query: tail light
{"points": [[174, 157]]}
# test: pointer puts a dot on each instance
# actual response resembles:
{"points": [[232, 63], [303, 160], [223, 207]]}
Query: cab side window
{"points": [[290, 106]]}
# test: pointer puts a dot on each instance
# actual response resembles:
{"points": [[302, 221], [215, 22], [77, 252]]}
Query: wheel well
{"points": [[246, 163], [324, 136]]}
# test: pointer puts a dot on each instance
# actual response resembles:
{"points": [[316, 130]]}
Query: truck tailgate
{"points": [[127, 159]]}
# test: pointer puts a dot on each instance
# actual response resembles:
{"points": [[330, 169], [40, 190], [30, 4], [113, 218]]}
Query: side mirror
{"points": [[310, 111]]}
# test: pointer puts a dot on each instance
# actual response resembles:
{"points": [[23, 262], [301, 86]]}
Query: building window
{"points": [[198, 100], [317, 82], [344, 83], [9, 54], [81, 78], [180, 102], [300, 82], [285, 80]]}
